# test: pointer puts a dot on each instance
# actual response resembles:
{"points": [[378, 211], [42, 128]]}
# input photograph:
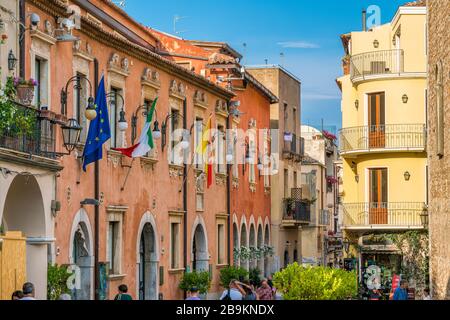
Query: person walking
{"points": [[235, 291], [401, 293], [28, 291], [17, 295], [123, 293], [250, 293], [426, 294], [193, 295], [265, 291]]}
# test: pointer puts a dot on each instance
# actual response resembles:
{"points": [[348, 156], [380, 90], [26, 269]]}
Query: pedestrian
{"points": [[426, 294], [401, 293], [270, 281], [65, 296], [235, 291], [28, 291], [265, 292], [17, 295], [123, 293], [375, 294], [250, 293], [193, 294]]}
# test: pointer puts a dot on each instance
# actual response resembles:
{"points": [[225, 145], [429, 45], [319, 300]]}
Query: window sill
{"points": [[221, 266], [148, 163], [176, 271], [114, 277]]}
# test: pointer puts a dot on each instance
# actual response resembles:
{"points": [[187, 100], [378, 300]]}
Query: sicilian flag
{"points": [[145, 143], [204, 149]]}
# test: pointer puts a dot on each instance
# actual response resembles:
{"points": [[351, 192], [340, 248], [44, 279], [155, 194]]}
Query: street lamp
{"points": [[175, 116], [346, 244], [424, 216], [12, 61], [91, 114], [71, 136], [407, 176], [405, 98], [112, 97], [134, 118]]}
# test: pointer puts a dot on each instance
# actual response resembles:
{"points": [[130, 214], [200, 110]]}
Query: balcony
{"points": [[383, 138], [293, 150], [383, 216], [26, 132], [375, 64], [296, 212]]}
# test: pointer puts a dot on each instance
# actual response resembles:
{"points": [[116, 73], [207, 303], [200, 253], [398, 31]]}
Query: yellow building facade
{"points": [[383, 136]]}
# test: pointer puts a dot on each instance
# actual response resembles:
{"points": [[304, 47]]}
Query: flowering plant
{"points": [[329, 135], [22, 82], [332, 180]]}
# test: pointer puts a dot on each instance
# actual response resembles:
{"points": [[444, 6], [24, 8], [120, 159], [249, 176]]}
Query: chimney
{"points": [[364, 20]]}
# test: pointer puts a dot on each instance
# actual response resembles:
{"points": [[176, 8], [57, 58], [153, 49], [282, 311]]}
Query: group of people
{"points": [[28, 293], [245, 290], [401, 293]]}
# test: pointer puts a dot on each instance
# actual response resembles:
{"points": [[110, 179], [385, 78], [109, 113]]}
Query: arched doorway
{"points": [[267, 270], [235, 243], [260, 246], [252, 244], [244, 242], [286, 258], [148, 264], [82, 258], [200, 256], [24, 211]]}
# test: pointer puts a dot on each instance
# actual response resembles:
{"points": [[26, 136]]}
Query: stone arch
{"points": [[24, 211], [266, 243], [244, 241], [199, 246], [81, 255], [252, 240], [236, 239], [147, 259], [259, 245]]}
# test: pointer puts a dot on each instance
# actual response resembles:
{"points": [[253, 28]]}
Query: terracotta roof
{"points": [[219, 58], [417, 3], [215, 44]]}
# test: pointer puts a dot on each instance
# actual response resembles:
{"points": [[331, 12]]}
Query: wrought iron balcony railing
{"points": [[384, 214], [394, 136], [23, 129], [383, 62], [296, 210]]}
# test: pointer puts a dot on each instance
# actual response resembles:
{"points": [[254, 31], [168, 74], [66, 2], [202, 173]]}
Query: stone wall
{"points": [[439, 168]]}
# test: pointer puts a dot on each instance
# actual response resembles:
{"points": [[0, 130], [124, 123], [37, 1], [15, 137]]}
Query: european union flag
{"points": [[99, 130]]}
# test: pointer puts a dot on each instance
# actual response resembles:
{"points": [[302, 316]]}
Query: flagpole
{"points": [[97, 207]]}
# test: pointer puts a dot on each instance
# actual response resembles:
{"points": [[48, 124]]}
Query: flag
{"points": [[99, 130], [203, 150], [145, 143]]}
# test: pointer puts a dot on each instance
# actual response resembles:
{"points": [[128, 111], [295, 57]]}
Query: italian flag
{"points": [[145, 143]]}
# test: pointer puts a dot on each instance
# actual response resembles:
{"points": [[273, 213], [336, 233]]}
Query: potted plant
{"points": [[200, 280], [25, 90]]}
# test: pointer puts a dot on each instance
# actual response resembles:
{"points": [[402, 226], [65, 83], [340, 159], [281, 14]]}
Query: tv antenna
{"points": [[177, 18], [121, 3]]}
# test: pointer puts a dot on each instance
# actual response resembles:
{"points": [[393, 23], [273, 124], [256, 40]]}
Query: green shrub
{"points": [[255, 276], [57, 277], [229, 273], [199, 280], [315, 283]]}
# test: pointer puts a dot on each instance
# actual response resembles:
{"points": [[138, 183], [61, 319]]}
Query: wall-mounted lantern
{"points": [[405, 98], [357, 178], [12, 61], [376, 44], [356, 103], [407, 176], [424, 216]]}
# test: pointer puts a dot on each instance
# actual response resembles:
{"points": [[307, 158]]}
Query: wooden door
{"points": [[377, 137], [378, 212]]}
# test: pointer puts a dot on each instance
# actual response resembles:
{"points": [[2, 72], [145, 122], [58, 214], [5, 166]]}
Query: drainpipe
{"points": [[22, 38], [185, 203], [229, 200]]}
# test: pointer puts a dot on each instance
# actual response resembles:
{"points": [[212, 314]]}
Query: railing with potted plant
{"points": [[22, 127], [296, 210]]}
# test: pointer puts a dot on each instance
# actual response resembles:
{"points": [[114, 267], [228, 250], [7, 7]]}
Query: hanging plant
{"points": [[244, 253], [332, 180], [329, 135]]}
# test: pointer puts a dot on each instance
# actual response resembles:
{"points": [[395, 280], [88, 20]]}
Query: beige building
{"points": [[288, 212], [438, 146]]}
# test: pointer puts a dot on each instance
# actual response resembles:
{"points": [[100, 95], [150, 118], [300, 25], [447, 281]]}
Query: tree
{"points": [[200, 280], [315, 283], [229, 273], [57, 277]]}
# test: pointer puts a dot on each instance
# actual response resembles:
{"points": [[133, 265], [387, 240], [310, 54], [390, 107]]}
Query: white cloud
{"points": [[299, 45]]}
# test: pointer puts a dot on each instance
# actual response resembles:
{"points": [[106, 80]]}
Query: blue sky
{"points": [[306, 32]]}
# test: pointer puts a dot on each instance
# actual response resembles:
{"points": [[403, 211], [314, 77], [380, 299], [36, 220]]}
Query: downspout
{"points": [[22, 38], [185, 203], [97, 208], [228, 200]]}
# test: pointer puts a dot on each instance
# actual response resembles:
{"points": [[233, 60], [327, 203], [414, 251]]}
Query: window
{"points": [[114, 111], [234, 142], [252, 175], [113, 247], [221, 150], [174, 245], [41, 76], [220, 243], [294, 116], [286, 183], [175, 138], [147, 105], [198, 140], [295, 179]]}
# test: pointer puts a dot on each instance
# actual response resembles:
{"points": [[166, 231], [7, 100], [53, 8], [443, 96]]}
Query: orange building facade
{"points": [[157, 219]]}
